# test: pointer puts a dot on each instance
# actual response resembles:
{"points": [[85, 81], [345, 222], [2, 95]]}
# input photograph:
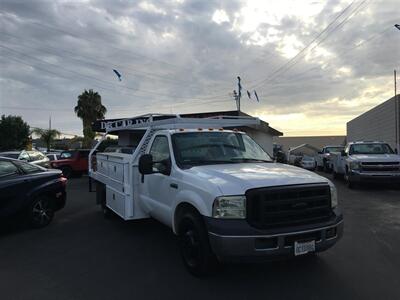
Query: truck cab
{"points": [[220, 193], [367, 161], [323, 158]]}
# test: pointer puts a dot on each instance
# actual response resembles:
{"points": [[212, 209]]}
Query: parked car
{"points": [[53, 156], [34, 157], [323, 158], [72, 162], [29, 192], [367, 161], [308, 162]]}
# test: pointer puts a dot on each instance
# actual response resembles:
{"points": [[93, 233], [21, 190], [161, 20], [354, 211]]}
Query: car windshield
{"points": [[373, 148], [67, 154], [202, 148], [333, 149]]}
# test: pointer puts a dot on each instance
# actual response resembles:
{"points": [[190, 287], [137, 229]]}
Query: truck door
{"points": [[157, 191]]}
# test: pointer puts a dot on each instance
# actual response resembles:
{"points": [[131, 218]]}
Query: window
{"points": [[24, 156], [34, 156], [202, 148], [7, 168], [28, 168], [10, 155], [67, 154], [160, 152], [373, 148]]}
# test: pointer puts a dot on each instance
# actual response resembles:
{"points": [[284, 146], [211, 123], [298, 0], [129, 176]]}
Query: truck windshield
{"points": [[333, 149], [202, 148], [373, 148]]}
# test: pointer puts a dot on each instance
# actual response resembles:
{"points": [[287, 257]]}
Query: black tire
{"points": [[67, 171], [194, 244], [350, 184], [41, 212]]}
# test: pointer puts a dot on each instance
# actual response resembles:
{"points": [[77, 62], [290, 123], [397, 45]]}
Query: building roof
{"points": [[315, 141]]}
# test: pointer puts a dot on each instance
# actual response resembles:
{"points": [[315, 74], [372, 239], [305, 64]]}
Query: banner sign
{"points": [[105, 125]]}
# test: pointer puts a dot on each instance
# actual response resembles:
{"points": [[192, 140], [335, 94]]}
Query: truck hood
{"points": [[235, 179], [376, 157]]}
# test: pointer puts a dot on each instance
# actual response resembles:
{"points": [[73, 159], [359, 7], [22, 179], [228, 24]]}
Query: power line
{"points": [[92, 60], [130, 52], [304, 48], [100, 80]]}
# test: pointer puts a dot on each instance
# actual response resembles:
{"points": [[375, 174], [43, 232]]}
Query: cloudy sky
{"points": [[314, 64]]}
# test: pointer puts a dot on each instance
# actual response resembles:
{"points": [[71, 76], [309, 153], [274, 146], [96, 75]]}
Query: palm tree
{"points": [[47, 135], [89, 109]]}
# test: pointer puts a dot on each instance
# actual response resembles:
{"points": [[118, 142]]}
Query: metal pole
{"points": [[397, 114], [239, 93]]}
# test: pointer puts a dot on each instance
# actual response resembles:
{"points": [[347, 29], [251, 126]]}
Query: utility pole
{"points": [[50, 122], [239, 94], [397, 113]]}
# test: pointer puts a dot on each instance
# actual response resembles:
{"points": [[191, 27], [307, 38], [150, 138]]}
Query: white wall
{"points": [[376, 124]]}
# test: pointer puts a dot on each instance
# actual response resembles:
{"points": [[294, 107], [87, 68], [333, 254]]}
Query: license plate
{"points": [[301, 248]]}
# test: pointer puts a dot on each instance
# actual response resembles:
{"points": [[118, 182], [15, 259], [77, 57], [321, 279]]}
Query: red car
{"points": [[72, 162]]}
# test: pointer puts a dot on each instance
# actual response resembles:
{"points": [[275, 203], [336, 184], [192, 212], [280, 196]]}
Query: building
{"points": [[263, 134], [379, 123], [317, 142]]}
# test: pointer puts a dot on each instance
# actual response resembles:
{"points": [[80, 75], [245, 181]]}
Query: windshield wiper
{"points": [[243, 159]]}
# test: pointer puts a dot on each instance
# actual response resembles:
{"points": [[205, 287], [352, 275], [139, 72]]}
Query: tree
{"points": [[14, 133], [89, 109], [47, 135]]}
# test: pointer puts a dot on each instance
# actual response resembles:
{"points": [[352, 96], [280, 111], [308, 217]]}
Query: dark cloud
{"points": [[174, 57]]}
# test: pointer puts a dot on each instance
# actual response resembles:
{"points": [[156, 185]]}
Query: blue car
{"points": [[30, 193]]}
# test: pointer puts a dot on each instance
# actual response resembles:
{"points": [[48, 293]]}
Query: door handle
{"points": [[174, 185]]}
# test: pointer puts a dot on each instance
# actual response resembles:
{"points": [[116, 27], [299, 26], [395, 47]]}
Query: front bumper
{"points": [[388, 177], [250, 244]]}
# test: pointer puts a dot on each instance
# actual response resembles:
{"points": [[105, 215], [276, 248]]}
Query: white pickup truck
{"points": [[367, 161], [323, 159], [221, 194]]}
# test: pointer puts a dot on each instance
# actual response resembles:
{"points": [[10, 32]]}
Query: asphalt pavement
{"points": [[81, 255]]}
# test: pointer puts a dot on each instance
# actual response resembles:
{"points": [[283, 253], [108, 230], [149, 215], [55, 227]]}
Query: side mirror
{"points": [[146, 164], [343, 153], [319, 152], [165, 167]]}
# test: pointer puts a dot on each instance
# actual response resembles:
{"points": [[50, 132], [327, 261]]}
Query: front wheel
{"points": [[41, 212], [195, 247]]}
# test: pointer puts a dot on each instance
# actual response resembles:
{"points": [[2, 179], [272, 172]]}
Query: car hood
{"points": [[235, 179], [376, 157]]}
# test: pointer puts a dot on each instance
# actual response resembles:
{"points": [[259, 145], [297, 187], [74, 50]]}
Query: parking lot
{"points": [[81, 255]]}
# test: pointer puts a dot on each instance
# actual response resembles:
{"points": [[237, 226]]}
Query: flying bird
{"points": [[118, 74]]}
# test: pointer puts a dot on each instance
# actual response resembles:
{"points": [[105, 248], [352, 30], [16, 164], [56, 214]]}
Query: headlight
{"points": [[229, 207], [355, 165], [334, 198]]}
